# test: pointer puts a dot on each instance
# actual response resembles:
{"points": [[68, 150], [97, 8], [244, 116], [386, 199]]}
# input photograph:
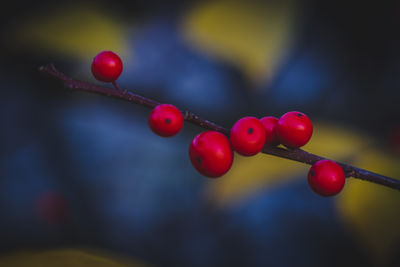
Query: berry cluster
{"points": [[211, 152]]}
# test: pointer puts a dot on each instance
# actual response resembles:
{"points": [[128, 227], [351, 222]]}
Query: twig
{"points": [[292, 154]]}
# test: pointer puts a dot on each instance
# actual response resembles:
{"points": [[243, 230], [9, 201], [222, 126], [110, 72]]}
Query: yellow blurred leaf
{"points": [[63, 258], [252, 34], [251, 174], [336, 142], [371, 211], [78, 31]]}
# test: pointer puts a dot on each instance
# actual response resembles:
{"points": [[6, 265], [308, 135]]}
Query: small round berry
{"points": [[211, 154], [248, 136], [394, 138], [166, 120], [107, 66], [326, 178], [294, 129], [270, 128], [52, 208]]}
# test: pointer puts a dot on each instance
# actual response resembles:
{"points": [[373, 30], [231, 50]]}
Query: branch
{"points": [[292, 154]]}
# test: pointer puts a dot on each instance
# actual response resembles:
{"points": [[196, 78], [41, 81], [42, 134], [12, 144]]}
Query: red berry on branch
{"points": [[270, 130], [294, 129], [326, 178], [248, 136], [107, 66], [211, 154], [166, 120]]}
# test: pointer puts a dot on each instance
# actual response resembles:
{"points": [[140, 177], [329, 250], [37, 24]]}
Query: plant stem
{"points": [[292, 154]]}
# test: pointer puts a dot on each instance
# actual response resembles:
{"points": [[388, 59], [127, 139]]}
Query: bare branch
{"points": [[292, 154]]}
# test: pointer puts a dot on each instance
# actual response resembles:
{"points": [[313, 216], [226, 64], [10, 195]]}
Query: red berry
{"points": [[166, 120], [294, 129], [211, 154], [270, 128], [52, 208], [394, 138], [248, 136], [326, 178], [107, 66]]}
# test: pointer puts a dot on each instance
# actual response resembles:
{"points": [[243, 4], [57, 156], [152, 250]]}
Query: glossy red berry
{"points": [[326, 178], [248, 136], [211, 154], [107, 66], [166, 120], [294, 129], [270, 130]]}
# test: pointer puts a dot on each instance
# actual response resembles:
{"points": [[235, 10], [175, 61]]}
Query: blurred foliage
{"points": [[64, 257], [77, 30], [372, 211], [254, 36], [166, 68]]}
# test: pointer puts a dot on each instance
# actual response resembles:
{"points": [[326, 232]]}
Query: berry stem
{"points": [[291, 154], [114, 83]]}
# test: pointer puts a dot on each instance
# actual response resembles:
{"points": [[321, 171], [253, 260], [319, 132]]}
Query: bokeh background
{"points": [[84, 181]]}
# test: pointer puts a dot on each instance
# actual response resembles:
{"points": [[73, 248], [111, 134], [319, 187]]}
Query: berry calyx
{"points": [[248, 136], [270, 130], [326, 178], [166, 120], [294, 129], [107, 66], [211, 154]]}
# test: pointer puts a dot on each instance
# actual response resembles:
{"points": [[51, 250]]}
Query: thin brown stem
{"points": [[292, 154], [114, 83]]}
